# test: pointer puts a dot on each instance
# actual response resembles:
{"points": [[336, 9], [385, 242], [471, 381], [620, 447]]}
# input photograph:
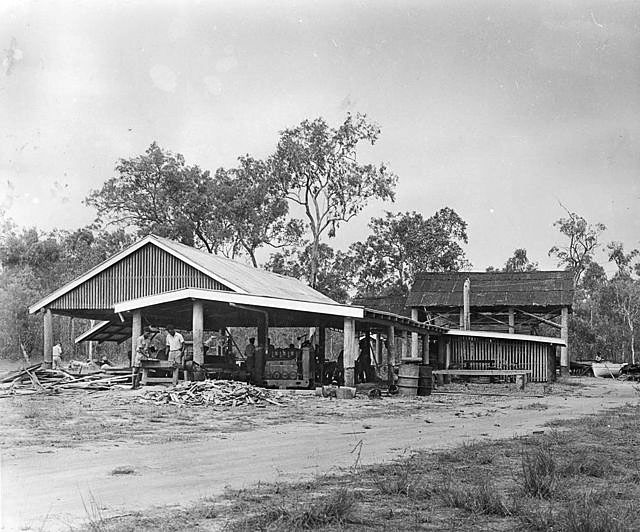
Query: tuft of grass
{"points": [[482, 498], [124, 470], [591, 465], [400, 478], [539, 471], [334, 509], [587, 515]]}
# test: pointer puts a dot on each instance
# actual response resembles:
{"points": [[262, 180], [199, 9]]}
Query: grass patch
{"points": [[583, 477], [333, 509], [482, 498]]}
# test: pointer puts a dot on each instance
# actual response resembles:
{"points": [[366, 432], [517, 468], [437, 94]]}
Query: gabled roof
{"points": [[246, 278], [238, 277], [493, 289]]}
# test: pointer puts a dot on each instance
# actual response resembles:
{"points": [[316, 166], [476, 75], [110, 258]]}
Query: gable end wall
{"points": [[148, 271]]}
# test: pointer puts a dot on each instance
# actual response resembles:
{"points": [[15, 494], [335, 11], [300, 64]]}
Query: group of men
{"points": [[174, 343]]}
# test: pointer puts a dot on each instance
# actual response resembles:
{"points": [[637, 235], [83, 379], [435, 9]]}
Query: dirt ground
{"points": [[66, 457]]}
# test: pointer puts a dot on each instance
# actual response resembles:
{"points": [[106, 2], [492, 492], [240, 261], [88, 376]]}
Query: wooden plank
{"points": [[482, 372]]}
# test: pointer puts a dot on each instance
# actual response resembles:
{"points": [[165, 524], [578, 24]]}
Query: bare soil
{"points": [[68, 458]]}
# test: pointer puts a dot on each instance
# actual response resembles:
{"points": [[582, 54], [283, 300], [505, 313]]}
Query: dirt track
{"points": [[57, 486]]}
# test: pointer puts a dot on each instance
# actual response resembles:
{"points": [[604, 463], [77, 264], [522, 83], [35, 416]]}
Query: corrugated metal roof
{"points": [[393, 304], [252, 280], [493, 289]]}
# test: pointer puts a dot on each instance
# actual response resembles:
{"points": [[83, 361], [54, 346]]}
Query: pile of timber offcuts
{"points": [[35, 379], [214, 393]]}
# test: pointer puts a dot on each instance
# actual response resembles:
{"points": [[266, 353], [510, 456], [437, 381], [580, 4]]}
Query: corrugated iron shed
{"points": [[493, 290]]}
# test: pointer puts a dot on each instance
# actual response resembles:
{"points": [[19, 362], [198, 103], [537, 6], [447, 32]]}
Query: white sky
{"points": [[497, 109]]}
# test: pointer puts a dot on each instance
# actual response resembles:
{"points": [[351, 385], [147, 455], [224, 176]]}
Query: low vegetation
{"points": [[579, 476]]}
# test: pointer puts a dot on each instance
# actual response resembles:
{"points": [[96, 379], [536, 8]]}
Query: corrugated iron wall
{"points": [[505, 354], [148, 271]]}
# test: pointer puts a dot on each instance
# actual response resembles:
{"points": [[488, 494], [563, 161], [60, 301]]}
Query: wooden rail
{"points": [[523, 374]]}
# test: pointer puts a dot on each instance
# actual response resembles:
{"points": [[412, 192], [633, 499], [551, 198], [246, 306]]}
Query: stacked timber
{"points": [[213, 393], [37, 380]]}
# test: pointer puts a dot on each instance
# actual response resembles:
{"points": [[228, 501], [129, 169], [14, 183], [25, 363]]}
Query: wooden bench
{"points": [[522, 374], [487, 363], [163, 365]]}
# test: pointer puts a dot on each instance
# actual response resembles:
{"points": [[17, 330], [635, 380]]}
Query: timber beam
{"points": [[539, 318]]}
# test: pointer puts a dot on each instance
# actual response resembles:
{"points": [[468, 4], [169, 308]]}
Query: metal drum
{"points": [[425, 380]]}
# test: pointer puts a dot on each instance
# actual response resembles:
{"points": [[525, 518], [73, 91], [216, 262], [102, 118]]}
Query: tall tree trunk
{"points": [[633, 349], [314, 262]]}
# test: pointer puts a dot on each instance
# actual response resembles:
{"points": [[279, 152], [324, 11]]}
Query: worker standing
{"points": [[175, 345], [142, 352], [250, 355], [56, 362]]}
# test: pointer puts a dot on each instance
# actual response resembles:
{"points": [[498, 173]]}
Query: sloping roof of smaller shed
{"points": [[493, 289], [393, 304]]}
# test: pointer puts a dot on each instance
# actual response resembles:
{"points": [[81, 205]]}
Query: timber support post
{"points": [[350, 351], [48, 338], [466, 308], [198, 332], [404, 347], [391, 354], [414, 336], [136, 331], [425, 349], [322, 342], [512, 321], [564, 334]]}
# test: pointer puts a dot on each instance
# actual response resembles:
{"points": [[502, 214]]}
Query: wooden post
{"points": [[90, 344], [414, 336], [425, 349], [350, 351], [322, 342], [263, 330], [466, 308], [197, 318], [136, 331], [447, 361], [512, 321], [564, 334], [391, 356], [404, 344], [378, 353], [48, 338]]}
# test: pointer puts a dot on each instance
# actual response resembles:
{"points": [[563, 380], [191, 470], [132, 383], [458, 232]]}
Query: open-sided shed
{"points": [[157, 281], [511, 302]]}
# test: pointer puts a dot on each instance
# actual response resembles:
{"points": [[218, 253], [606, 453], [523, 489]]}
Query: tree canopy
{"points": [[157, 192], [403, 244], [518, 262], [317, 168], [577, 253]]}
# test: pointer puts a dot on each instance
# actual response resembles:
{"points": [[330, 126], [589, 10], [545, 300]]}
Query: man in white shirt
{"points": [[175, 345]]}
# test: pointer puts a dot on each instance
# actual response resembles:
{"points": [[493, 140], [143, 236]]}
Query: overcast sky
{"points": [[500, 110]]}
